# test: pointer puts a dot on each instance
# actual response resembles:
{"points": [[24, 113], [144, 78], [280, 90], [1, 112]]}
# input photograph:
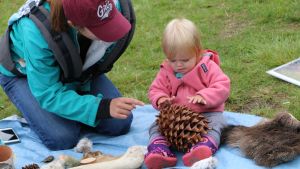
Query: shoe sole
{"points": [[195, 155], [156, 161]]}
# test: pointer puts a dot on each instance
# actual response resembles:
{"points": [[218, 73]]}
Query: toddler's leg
{"points": [[159, 155], [211, 140]]}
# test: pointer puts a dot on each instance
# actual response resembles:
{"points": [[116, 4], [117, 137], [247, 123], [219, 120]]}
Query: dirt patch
{"points": [[259, 103], [265, 99], [293, 26], [233, 27]]}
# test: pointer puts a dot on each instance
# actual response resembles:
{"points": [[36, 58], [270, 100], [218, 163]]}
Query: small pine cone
{"points": [[31, 166], [181, 126]]}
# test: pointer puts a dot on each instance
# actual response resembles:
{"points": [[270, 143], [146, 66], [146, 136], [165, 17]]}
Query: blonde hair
{"points": [[180, 34]]}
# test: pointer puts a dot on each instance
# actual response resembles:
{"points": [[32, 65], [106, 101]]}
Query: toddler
{"points": [[189, 76]]}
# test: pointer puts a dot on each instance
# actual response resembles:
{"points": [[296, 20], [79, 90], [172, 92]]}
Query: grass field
{"points": [[251, 36]]}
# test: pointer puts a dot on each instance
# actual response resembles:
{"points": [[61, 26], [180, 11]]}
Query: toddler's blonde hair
{"points": [[180, 34]]}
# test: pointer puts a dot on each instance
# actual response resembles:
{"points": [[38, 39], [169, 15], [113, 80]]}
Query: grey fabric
{"points": [[216, 122], [153, 131], [95, 53]]}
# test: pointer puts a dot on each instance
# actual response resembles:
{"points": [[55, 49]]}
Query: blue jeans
{"points": [[56, 132]]}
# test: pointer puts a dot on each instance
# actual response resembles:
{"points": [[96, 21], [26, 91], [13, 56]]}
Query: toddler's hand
{"points": [[163, 99], [196, 99]]}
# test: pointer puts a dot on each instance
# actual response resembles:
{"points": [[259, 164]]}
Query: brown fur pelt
{"points": [[269, 142]]}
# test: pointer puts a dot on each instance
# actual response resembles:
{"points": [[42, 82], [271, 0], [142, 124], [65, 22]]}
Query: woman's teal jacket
{"points": [[33, 57]]}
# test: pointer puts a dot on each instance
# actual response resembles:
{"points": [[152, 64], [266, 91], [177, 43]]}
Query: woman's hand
{"points": [[196, 99], [121, 107]]}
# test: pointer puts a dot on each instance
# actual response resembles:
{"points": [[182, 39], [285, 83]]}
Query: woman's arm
{"points": [[43, 74]]}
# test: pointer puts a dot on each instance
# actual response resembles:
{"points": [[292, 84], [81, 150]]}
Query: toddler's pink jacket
{"points": [[205, 79]]}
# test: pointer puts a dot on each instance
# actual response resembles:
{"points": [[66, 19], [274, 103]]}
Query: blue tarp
{"points": [[31, 150]]}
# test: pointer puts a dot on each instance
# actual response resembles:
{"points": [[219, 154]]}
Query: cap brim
{"points": [[112, 30]]}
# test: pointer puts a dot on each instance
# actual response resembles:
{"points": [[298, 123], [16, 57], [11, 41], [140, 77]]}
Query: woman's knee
{"points": [[60, 141], [115, 127], [126, 127], [123, 127]]}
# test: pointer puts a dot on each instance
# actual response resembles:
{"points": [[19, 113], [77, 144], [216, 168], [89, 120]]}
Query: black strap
{"points": [[60, 43], [120, 46], [41, 2], [5, 56]]}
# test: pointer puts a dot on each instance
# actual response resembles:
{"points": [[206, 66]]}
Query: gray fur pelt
{"points": [[269, 142]]}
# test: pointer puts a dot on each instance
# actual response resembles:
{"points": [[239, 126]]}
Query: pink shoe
{"points": [[159, 155], [200, 151]]}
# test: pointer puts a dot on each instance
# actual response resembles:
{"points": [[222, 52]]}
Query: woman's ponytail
{"points": [[58, 18]]}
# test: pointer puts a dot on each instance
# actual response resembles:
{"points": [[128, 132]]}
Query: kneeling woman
{"points": [[55, 110]]}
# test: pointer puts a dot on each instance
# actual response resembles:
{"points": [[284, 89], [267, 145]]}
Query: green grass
{"points": [[251, 36]]}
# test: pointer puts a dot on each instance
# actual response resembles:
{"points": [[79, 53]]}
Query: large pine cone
{"points": [[31, 166], [181, 126]]}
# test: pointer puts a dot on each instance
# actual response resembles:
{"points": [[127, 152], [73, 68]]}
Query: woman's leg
{"points": [[55, 132], [111, 126]]}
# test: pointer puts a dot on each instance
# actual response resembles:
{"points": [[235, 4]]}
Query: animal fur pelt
{"points": [[270, 142], [208, 163], [84, 146], [62, 162]]}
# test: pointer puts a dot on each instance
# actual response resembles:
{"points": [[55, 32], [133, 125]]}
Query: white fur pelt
{"points": [[84, 145], [132, 159], [56, 164], [62, 162], [208, 163]]}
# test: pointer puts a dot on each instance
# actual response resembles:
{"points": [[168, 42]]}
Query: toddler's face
{"points": [[183, 62]]}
